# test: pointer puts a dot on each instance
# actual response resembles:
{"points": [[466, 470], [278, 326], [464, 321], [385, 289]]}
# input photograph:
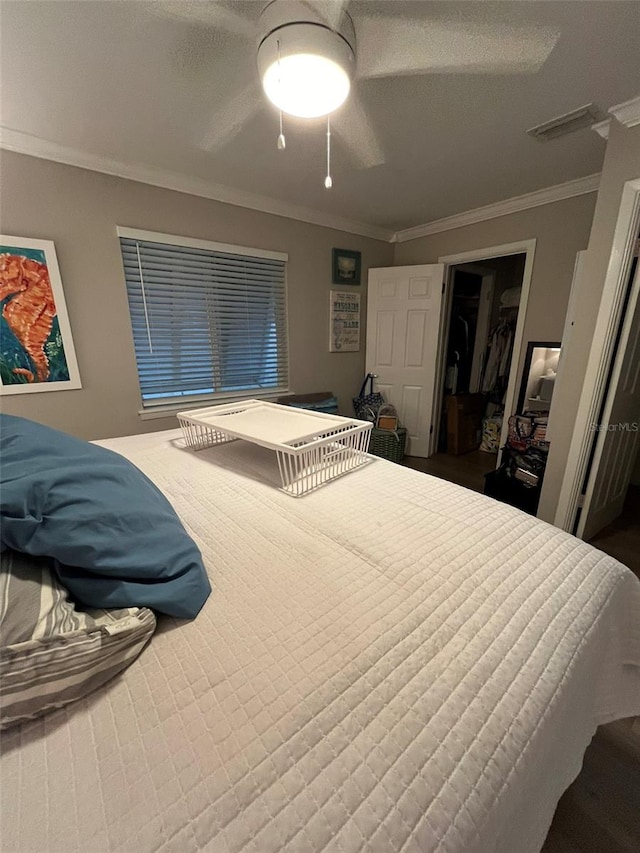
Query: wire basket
{"points": [[321, 460], [326, 447], [388, 444]]}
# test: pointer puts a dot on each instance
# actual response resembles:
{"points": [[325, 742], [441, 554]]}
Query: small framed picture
{"points": [[346, 266]]}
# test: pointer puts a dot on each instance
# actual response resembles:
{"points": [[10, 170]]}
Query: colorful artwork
{"points": [[36, 348]]}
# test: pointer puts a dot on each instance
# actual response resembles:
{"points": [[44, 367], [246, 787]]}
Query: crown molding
{"points": [[34, 146], [558, 192], [602, 127], [627, 113], [24, 143]]}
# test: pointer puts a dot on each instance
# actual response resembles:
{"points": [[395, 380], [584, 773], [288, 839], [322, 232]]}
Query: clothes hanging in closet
{"points": [[498, 360], [460, 354]]}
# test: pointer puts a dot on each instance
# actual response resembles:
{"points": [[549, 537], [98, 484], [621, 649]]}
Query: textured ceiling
{"points": [[120, 80]]}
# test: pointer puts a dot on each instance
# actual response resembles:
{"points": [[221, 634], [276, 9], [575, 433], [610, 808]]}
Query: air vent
{"points": [[567, 123]]}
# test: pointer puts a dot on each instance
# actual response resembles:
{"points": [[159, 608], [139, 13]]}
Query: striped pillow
{"points": [[51, 653]]}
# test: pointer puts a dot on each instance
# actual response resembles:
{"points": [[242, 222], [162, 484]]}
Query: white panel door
{"points": [[403, 320], [617, 442]]}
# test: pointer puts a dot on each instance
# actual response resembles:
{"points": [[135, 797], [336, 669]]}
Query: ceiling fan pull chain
{"points": [[282, 143], [327, 181]]}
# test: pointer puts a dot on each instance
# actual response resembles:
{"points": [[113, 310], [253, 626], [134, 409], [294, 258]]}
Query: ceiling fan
{"points": [[311, 52]]}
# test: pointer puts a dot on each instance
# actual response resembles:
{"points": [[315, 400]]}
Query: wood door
{"points": [[403, 322]]}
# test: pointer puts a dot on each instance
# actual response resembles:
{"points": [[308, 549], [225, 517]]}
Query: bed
{"points": [[391, 663]]}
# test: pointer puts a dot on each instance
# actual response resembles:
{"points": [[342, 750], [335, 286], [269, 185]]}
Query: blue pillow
{"points": [[115, 539]]}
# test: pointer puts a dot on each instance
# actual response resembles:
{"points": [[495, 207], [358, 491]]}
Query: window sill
{"points": [[159, 412]]}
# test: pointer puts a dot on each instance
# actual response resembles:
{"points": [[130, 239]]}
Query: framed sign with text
{"points": [[344, 321]]}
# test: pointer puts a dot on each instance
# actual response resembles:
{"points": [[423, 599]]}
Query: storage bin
{"points": [[464, 422], [388, 444]]}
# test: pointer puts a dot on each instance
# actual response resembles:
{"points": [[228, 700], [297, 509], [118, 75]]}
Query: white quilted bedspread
{"points": [[389, 664]]}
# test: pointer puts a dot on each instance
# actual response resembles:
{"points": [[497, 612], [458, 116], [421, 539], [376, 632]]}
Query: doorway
{"points": [[408, 309], [598, 487], [481, 309], [615, 443], [470, 313], [620, 536], [610, 515]]}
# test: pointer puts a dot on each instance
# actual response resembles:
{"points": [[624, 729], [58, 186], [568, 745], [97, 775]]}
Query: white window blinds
{"points": [[206, 323]]}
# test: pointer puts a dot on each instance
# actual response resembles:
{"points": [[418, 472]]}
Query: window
{"points": [[208, 320]]}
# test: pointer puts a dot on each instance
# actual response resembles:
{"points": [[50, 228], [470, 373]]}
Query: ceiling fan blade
{"points": [[210, 14], [392, 46], [227, 121], [352, 125], [329, 11]]}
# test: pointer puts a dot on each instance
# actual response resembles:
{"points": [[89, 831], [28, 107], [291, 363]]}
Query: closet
{"points": [[465, 302], [483, 312]]}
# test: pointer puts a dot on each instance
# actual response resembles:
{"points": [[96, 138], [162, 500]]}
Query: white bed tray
{"points": [[312, 447]]}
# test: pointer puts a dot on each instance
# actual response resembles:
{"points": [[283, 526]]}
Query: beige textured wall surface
{"points": [[561, 230], [621, 164], [79, 210]]}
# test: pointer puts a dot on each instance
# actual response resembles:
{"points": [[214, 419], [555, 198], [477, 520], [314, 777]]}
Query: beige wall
{"points": [[79, 211], [621, 164], [561, 230]]}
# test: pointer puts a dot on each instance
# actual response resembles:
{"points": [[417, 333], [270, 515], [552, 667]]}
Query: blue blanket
{"points": [[115, 539]]}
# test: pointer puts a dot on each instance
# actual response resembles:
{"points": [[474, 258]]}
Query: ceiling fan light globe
{"points": [[306, 85], [305, 68]]}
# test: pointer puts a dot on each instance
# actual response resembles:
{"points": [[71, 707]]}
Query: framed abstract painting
{"points": [[36, 347]]}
